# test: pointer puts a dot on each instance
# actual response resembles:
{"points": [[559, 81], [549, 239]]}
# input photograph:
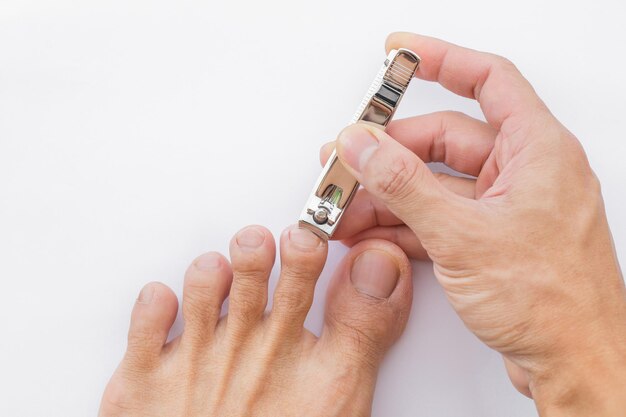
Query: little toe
{"points": [[152, 317], [302, 256], [252, 253], [368, 301], [207, 283]]}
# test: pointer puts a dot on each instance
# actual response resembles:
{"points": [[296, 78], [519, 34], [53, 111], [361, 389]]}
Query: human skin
{"points": [[523, 250], [254, 362]]}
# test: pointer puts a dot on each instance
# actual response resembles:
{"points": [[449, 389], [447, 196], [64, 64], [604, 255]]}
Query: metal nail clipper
{"points": [[335, 186]]}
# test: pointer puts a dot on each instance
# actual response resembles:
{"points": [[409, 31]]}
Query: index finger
{"points": [[492, 80]]}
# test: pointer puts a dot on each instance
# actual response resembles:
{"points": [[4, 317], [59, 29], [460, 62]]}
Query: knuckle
{"points": [[398, 178], [575, 149], [594, 184], [577, 158], [503, 62], [453, 114], [441, 176]]}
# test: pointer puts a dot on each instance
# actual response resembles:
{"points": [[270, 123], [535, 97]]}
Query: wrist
{"points": [[593, 383]]}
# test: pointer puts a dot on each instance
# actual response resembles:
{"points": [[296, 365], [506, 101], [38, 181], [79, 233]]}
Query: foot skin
{"points": [[258, 363]]}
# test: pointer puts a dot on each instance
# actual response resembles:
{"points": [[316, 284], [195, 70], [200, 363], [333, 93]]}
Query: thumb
{"points": [[400, 179]]}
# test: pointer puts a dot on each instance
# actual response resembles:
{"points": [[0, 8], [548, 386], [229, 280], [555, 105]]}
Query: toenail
{"points": [[375, 273], [146, 294], [250, 237], [208, 262], [303, 238]]}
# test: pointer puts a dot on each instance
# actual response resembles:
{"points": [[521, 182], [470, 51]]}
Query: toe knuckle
{"points": [[248, 302], [199, 307], [142, 340], [201, 293], [251, 272], [244, 316], [364, 349], [366, 337], [140, 358], [300, 271], [290, 302]]}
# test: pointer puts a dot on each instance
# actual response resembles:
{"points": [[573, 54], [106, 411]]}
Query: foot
{"points": [[257, 363]]}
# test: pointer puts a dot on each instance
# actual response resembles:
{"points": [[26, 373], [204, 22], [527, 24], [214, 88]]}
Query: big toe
{"points": [[368, 301]]}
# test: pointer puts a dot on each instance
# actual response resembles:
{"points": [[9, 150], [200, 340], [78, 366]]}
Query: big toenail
{"points": [[375, 273], [208, 262], [303, 238], [250, 237], [145, 295]]}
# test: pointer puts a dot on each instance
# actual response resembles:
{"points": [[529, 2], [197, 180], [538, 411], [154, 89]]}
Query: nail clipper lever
{"points": [[336, 187]]}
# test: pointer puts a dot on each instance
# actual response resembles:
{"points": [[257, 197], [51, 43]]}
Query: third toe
{"points": [[252, 253]]}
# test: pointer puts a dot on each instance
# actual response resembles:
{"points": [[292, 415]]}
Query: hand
{"points": [[523, 251]]}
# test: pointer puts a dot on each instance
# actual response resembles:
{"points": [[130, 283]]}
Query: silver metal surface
{"points": [[336, 187]]}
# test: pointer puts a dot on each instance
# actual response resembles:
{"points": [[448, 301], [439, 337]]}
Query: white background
{"points": [[135, 135]]}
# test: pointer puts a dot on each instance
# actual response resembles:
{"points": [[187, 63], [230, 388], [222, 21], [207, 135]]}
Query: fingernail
{"points": [[375, 273], [327, 148], [304, 239], [250, 238], [145, 295], [356, 145], [208, 261]]}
